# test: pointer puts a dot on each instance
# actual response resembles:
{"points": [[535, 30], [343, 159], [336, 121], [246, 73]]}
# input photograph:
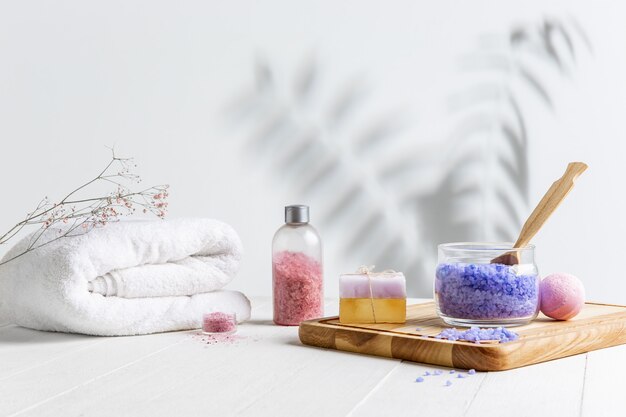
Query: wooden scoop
{"points": [[550, 201]]}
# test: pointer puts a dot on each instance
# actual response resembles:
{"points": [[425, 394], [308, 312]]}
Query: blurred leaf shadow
{"points": [[317, 142]]}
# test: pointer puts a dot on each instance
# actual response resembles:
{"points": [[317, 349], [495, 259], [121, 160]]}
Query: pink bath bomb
{"points": [[562, 296]]}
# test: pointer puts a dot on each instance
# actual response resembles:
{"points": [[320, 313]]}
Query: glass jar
{"points": [[219, 323], [472, 291], [297, 269]]}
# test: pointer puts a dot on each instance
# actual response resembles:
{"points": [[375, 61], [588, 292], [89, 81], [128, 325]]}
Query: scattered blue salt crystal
{"points": [[460, 376], [418, 329], [477, 334], [471, 371], [452, 371], [448, 383], [485, 291], [437, 372], [419, 379], [426, 373]]}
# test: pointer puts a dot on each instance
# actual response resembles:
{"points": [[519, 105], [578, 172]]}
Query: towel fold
{"points": [[192, 275], [124, 278]]}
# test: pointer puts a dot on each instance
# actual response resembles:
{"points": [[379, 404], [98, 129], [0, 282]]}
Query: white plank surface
{"points": [[245, 378], [400, 395], [604, 383], [267, 372], [22, 349], [547, 389], [38, 385]]}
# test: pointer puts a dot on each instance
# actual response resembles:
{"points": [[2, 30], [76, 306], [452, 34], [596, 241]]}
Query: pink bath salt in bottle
{"points": [[297, 269]]}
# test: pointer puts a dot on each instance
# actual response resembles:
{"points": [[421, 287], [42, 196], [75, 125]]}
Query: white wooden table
{"points": [[267, 372]]}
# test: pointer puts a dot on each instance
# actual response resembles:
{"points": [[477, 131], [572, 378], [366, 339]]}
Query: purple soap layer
{"points": [[375, 285], [485, 291]]}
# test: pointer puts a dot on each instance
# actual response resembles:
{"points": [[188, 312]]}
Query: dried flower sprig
{"points": [[74, 214]]}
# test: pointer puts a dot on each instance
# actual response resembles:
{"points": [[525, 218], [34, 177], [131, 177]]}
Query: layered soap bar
{"points": [[374, 297]]}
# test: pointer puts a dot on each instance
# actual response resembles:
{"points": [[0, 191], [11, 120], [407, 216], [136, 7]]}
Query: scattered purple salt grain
{"points": [[485, 291], [459, 375], [477, 334]]}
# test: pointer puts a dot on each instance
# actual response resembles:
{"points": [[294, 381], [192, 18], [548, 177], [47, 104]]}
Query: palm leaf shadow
{"points": [[509, 184], [332, 160]]}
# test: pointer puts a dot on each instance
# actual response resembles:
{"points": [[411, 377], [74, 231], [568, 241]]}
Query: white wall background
{"points": [[156, 79]]}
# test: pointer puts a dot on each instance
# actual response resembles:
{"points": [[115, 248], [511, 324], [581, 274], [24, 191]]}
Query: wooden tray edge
{"points": [[465, 355]]}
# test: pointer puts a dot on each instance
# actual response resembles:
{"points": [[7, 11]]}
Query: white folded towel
{"points": [[124, 278]]}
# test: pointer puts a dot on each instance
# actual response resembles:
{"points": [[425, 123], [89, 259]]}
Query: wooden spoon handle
{"points": [[550, 201]]}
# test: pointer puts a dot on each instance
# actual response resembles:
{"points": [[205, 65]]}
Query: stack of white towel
{"points": [[124, 278]]}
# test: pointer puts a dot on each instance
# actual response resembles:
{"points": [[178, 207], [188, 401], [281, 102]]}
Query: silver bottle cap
{"points": [[296, 214]]}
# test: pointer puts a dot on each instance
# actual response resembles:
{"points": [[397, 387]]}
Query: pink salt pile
{"points": [[298, 288], [219, 323]]}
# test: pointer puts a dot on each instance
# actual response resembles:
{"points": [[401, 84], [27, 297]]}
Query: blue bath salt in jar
{"points": [[472, 291]]}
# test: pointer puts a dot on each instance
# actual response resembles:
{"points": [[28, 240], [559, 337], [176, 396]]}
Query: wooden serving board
{"points": [[597, 326]]}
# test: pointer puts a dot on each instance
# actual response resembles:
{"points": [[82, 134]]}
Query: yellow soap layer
{"points": [[359, 310]]}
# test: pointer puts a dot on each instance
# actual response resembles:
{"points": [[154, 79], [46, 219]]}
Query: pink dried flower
{"points": [[85, 212]]}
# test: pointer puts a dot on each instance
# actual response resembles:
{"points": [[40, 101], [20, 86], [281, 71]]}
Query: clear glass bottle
{"points": [[297, 269], [472, 291]]}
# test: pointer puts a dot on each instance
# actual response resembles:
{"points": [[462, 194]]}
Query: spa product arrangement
{"points": [[297, 269], [372, 297], [152, 276], [484, 288]]}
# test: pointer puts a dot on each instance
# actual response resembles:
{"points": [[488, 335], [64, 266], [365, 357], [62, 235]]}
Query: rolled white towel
{"points": [[124, 278], [192, 275]]}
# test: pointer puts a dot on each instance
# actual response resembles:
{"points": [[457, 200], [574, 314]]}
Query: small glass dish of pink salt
{"points": [[219, 323]]}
